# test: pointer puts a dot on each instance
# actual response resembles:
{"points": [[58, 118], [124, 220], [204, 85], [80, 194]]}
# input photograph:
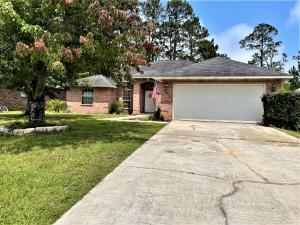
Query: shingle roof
{"points": [[157, 68], [215, 67], [97, 81]]}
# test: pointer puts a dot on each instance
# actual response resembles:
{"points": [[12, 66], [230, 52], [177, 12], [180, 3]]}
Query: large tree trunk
{"points": [[37, 109]]}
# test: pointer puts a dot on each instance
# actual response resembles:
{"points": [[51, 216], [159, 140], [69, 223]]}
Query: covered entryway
{"points": [[231, 102], [149, 104]]}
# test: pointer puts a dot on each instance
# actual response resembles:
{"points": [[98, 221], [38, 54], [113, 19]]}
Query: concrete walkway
{"points": [[194, 173], [143, 118]]}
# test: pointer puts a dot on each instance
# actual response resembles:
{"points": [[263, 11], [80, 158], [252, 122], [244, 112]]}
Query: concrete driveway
{"points": [[200, 173]]}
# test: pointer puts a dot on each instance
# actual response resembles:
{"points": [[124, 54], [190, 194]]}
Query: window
{"points": [[126, 98], [87, 96]]}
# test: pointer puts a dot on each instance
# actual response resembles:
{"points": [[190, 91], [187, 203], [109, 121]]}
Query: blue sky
{"points": [[229, 21]]}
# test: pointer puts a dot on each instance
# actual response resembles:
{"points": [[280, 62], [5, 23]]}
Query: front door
{"points": [[149, 103]]}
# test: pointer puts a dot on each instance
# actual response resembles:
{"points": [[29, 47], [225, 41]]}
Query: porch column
{"points": [[136, 105]]}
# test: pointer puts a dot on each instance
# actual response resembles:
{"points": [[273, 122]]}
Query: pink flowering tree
{"points": [[49, 44]]}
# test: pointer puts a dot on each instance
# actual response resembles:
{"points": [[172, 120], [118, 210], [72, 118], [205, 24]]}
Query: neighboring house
{"points": [[93, 94], [215, 89], [13, 99], [17, 100]]}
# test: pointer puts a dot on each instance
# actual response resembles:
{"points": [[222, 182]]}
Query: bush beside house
{"points": [[117, 108], [282, 110], [56, 105]]}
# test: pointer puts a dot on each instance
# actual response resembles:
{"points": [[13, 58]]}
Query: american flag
{"points": [[155, 91]]}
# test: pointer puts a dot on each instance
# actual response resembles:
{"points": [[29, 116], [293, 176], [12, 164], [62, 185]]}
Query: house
{"points": [[93, 94], [215, 89], [13, 99], [16, 100]]}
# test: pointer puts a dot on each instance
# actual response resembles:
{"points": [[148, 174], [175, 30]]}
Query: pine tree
{"points": [[172, 29], [153, 12], [183, 35], [262, 41], [295, 81]]}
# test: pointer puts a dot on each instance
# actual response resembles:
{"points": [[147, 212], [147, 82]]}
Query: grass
{"points": [[43, 175], [290, 132]]}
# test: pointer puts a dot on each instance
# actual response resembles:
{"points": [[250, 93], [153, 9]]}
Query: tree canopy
{"points": [[179, 30], [266, 49], [294, 83], [51, 43]]}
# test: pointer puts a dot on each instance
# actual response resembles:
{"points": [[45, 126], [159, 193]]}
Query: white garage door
{"points": [[232, 102]]}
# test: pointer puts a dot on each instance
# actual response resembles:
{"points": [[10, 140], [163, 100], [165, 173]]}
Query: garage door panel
{"points": [[218, 102]]}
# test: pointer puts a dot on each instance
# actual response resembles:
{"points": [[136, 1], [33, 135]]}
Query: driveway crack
{"points": [[221, 201], [223, 197], [294, 143], [245, 164], [177, 171], [211, 176], [236, 189]]}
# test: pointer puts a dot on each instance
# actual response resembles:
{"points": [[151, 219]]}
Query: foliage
{"points": [[295, 81], [44, 175], [282, 110], [261, 40], [156, 116], [153, 12], [179, 30], [116, 107], [285, 87], [56, 105], [51, 43]]}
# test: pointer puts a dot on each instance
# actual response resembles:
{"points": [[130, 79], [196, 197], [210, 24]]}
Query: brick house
{"points": [[93, 94], [16, 100], [13, 99], [215, 89]]}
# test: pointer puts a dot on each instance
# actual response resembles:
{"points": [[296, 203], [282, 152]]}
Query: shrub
{"points": [[157, 116], [116, 107], [56, 105], [282, 110]]}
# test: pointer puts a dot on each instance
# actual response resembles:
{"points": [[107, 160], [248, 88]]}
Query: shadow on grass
{"points": [[84, 130]]}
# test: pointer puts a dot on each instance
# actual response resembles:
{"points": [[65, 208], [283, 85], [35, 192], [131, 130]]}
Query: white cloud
{"points": [[229, 39], [294, 14]]}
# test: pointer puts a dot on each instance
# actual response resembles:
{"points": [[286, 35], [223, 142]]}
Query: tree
{"points": [[51, 43], [295, 81], [183, 34], [153, 12], [194, 34], [261, 40], [177, 13]]}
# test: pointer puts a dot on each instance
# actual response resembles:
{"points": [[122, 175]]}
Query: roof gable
{"points": [[97, 81]]}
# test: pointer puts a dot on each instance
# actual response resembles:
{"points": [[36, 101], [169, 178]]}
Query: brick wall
{"points": [[102, 100], [12, 99], [137, 97], [276, 85]]}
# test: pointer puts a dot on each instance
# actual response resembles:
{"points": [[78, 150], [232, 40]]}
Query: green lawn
{"points": [[43, 175], [290, 132]]}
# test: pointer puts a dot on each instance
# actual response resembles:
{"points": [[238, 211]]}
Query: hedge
{"points": [[282, 110]]}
